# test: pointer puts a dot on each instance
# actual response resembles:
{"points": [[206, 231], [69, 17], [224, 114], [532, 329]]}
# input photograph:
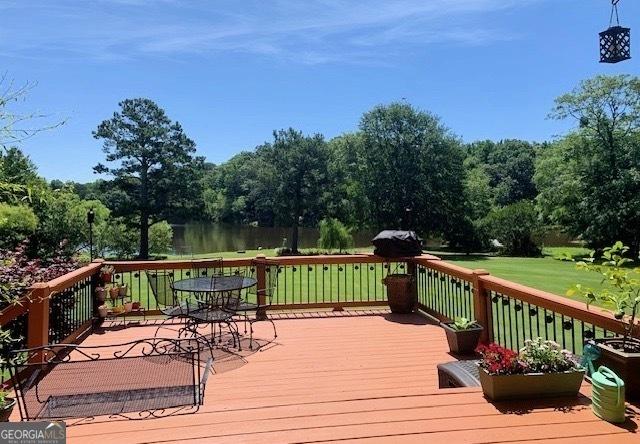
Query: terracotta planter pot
{"points": [[463, 342], [103, 311], [135, 306], [128, 306], [5, 412], [123, 290], [625, 364], [101, 294], [114, 292], [401, 293], [106, 278], [530, 385]]}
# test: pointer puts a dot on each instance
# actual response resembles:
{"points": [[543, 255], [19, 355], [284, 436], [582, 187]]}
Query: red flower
{"points": [[498, 360]]}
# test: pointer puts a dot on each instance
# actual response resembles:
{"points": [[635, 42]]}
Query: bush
{"points": [[334, 235], [515, 226], [160, 238], [117, 239], [17, 222]]}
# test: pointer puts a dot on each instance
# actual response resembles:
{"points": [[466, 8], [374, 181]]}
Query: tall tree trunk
{"points": [[296, 217], [144, 211], [294, 236], [144, 235]]}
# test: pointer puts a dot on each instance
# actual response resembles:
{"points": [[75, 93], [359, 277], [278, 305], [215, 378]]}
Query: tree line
{"points": [[401, 168]]}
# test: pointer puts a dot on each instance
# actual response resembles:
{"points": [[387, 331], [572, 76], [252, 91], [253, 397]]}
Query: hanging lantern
{"points": [[615, 42]]}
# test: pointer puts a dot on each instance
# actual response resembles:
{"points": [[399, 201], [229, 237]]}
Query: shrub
{"points": [[334, 235], [18, 271], [17, 222], [515, 227], [160, 238]]}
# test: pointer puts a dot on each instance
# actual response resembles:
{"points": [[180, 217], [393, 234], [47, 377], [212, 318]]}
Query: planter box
{"points": [[624, 364], [530, 385], [462, 341]]}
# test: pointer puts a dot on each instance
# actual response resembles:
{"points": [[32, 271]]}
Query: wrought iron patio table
{"points": [[210, 294], [205, 284]]}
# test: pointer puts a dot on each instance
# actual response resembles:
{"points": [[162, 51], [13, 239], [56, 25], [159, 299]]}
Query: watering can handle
{"points": [[609, 374]]}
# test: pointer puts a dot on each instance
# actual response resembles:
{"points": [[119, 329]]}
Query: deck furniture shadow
{"points": [[146, 378]]}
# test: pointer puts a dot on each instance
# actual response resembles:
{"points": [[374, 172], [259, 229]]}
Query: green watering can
{"points": [[607, 395]]}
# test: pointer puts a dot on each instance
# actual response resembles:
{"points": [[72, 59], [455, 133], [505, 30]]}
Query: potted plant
{"points": [[123, 290], [106, 273], [401, 292], [541, 369], [462, 335], [101, 293], [114, 292], [135, 305], [128, 306], [6, 405], [103, 311], [620, 290]]}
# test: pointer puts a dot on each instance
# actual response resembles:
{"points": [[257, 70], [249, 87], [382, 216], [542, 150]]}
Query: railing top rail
{"points": [[437, 264], [176, 264], [67, 280], [561, 305]]}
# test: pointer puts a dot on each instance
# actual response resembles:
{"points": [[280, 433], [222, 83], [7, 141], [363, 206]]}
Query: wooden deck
{"points": [[335, 377]]}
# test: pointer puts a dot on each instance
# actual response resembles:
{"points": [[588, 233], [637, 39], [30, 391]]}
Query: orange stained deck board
{"points": [[341, 378]]}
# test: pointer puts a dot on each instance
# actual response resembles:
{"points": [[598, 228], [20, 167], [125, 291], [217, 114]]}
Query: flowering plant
{"points": [[542, 356], [497, 360], [537, 356]]}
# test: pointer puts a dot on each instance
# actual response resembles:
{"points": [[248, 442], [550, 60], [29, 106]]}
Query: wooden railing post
{"points": [[38, 319], [95, 283], [482, 306], [412, 269], [261, 277]]}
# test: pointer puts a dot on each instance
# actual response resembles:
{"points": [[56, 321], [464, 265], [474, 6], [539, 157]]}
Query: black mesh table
{"points": [[216, 284], [216, 297]]}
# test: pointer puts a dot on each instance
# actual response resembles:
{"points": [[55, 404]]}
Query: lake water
{"points": [[200, 238]]}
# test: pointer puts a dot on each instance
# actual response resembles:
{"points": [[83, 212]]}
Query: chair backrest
{"points": [[230, 297], [161, 284]]}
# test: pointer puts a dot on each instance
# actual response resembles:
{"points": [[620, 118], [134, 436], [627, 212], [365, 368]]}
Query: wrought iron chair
{"points": [[214, 309], [251, 304], [153, 377], [167, 300]]}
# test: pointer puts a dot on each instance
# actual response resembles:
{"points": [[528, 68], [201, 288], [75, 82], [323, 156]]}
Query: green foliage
{"points": [[117, 239], [509, 166], [298, 165], [462, 323], [590, 181], [334, 235], [410, 160], [17, 222], [620, 284], [153, 166], [515, 226], [160, 238]]}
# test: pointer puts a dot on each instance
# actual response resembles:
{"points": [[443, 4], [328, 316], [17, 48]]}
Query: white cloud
{"points": [[307, 31]]}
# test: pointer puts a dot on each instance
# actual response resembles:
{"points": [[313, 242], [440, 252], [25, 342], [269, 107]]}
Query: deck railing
{"points": [[65, 308]]}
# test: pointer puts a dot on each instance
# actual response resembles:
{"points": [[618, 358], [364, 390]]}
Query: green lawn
{"points": [[544, 273]]}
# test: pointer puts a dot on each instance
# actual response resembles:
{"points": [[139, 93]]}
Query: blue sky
{"points": [[232, 71]]}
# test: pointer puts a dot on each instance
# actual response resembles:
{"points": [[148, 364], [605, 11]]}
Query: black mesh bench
{"points": [[151, 377], [458, 374]]}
